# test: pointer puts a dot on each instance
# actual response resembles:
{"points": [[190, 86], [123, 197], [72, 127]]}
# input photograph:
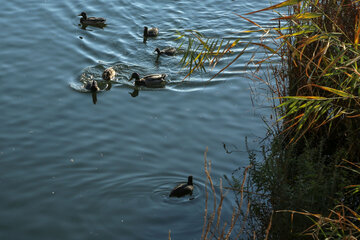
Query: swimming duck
{"points": [[153, 80], [166, 51], [92, 86], [108, 74], [183, 189], [91, 20], [152, 32]]}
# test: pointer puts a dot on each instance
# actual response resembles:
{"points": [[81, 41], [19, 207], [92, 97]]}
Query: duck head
{"points": [[83, 14], [94, 86], [157, 50], [145, 31], [190, 180], [136, 76]]}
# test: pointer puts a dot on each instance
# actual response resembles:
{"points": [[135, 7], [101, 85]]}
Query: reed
{"points": [[315, 89], [342, 222], [203, 52]]}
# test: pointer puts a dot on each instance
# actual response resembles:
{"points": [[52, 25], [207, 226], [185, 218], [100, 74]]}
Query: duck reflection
{"points": [[84, 26], [93, 87], [94, 97], [135, 93], [157, 61]]}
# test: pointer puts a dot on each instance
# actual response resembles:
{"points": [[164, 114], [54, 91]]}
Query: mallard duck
{"points": [[153, 80], [91, 20], [183, 189], [92, 86], [108, 74], [166, 51], [152, 32]]}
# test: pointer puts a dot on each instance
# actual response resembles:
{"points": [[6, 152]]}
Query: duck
{"points": [[153, 80], [183, 189], [152, 32], [108, 74], [92, 86], [91, 20], [167, 51]]}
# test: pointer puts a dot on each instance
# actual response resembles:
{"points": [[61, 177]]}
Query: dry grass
{"points": [[212, 228]]}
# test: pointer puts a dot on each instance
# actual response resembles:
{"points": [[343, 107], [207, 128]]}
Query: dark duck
{"points": [[152, 32], [92, 86], [166, 51], [183, 189], [153, 80], [91, 20]]}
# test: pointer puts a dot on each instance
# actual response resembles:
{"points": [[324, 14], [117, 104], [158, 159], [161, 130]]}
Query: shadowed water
{"points": [[71, 169]]}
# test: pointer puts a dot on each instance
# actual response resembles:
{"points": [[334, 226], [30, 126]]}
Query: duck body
{"points": [[153, 80], [166, 51], [152, 32], [183, 189], [91, 20], [108, 74], [92, 86]]}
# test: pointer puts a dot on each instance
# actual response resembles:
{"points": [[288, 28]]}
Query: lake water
{"points": [[71, 169]]}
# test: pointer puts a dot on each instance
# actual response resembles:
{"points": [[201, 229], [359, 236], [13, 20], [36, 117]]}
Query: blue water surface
{"points": [[72, 169]]}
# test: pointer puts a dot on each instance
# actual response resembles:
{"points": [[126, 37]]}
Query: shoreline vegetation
{"points": [[306, 182]]}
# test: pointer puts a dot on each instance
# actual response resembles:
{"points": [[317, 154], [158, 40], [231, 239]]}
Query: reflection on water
{"points": [[94, 97], [84, 26], [135, 93]]}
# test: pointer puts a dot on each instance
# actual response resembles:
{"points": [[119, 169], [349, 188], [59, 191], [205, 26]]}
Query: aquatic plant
{"points": [[315, 90], [202, 51], [342, 222]]}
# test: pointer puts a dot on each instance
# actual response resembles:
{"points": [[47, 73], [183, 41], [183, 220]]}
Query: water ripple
{"points": [[71, 169]]}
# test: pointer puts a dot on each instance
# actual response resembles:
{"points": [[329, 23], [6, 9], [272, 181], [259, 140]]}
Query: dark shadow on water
{"points": [[94, 97], [84, 26], [135, 93], [157, 61]]}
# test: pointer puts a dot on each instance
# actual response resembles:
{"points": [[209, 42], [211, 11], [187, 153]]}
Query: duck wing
{"points": [[153, 32], [182, 190], [155, 83], [96, 19], [169, 51], [152, 77]]}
